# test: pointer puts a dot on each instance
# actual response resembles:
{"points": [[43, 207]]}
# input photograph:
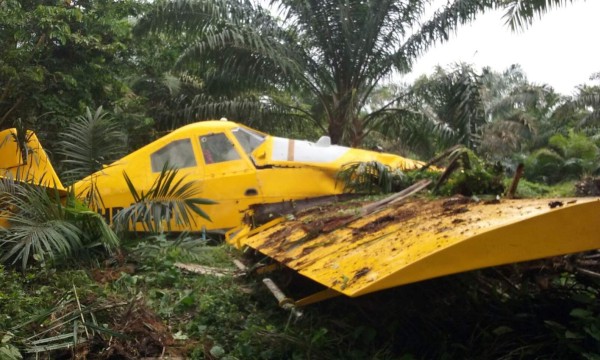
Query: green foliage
{"points": [[492, 113], [170, 200], [521, 13], [8, 351], [479, 180], [42, 228], [566, 158], [465, 173], [588, 97], [369, 177], [452, 101], [574, 145], [200, 308], [27, 295], [528, 311], [544, 165], [528, 189], [579, 330], [157, 250], [240, 45], [91, 141], [59, 57]]}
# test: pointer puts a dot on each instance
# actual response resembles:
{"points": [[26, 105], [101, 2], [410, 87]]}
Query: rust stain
{"points": [[360, 273]]}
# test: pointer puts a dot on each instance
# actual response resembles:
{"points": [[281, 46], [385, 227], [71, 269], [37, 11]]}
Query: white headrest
{"points": [[324, 141]]}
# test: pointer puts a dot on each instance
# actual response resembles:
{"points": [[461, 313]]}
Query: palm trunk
{"points": [[357, 132], [336, 129]]}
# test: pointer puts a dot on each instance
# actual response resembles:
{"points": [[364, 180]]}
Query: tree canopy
{"points": [[60, 56], [331, 53]]}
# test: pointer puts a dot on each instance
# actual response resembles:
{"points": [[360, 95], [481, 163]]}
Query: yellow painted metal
{"points": [[317, 297], [35, 168], [423, 239]]}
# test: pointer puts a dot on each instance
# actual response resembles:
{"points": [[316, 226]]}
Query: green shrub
{"points": [[566, 158]]}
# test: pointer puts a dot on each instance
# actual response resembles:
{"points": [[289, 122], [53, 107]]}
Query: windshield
{"points": [[248, 139]]}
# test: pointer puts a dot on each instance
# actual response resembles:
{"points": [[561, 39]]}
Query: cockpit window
{"points": [[249, 139], [217, 148], [179, 154]]}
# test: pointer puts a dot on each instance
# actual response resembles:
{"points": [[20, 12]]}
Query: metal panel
{"points": [[423, 239]]}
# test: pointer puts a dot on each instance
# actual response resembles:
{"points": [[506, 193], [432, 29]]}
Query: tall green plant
{"points": [[492, 113], [91, 141], [565, 157], [465, 173], [58, 55]]}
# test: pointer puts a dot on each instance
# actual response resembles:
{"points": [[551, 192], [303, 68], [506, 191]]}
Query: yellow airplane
{"points": [[353, 250], [235, 166]]}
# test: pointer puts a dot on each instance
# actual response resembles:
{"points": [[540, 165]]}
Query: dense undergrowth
{"points": [[144, 306]]}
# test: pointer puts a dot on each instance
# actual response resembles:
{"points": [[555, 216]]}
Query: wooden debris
{"points": [[240, 265], [397, 197], [510, 194], [204, 270]]}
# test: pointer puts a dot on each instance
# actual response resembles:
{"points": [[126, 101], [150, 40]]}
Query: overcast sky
{"points": [[560, 49]]}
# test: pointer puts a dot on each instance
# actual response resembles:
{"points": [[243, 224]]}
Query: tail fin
{"points": [[26, 160]]}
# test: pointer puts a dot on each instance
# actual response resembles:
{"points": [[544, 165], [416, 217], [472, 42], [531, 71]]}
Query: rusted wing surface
{"points": [[422, 239]]}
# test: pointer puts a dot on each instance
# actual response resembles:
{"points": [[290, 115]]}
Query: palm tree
{"points": [[495, 114], [331, 54], [588, 98], [453, 102]]}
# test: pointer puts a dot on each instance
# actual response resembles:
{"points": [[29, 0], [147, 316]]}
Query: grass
{"points": [[527, 189]]}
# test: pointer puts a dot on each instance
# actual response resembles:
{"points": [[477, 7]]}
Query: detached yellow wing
{"points": [[422, 239]]}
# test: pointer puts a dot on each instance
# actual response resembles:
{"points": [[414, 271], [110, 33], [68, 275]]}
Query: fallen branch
{"points": [[397, 197], [204, 270]]}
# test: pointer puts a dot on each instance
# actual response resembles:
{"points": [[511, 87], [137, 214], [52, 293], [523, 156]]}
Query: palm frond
{"points": [[90, 142], [440, 26], [21, 138], [161, 246], [521, 13], [591, 100], [41, 224], [370, 177], [38, 225], [68, 323], [170, 201], [95, 230], [181, 16]]}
